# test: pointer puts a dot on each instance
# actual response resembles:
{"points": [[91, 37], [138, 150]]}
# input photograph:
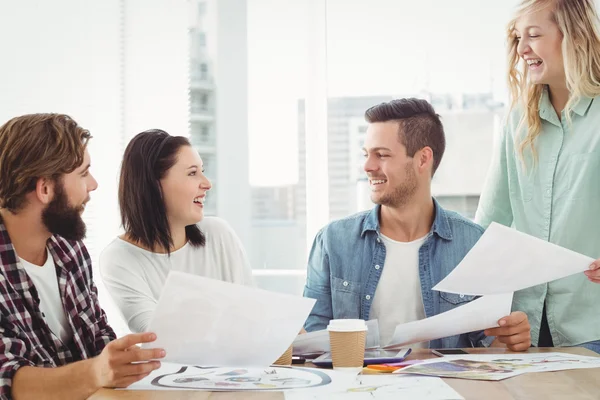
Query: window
{"points": [[202, 134], [201, 39], [437, 64], [199, 102], [203, 71], [201, 8], [277, 63], [432, 56], [208, 161], [199, 70], [113, 103]]}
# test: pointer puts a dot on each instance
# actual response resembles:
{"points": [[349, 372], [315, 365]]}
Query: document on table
{"points": [[505, 260], [479, 314], [382, 387], [295, 383], [318, 341], [172, 376], [206, 322], [495, 367]]}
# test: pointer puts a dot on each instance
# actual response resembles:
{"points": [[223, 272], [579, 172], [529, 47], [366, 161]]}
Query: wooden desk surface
{"points": [[573, 384]]}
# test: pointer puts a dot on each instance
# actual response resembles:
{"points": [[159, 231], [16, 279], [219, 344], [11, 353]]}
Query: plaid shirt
{"points": [[26, 340]]}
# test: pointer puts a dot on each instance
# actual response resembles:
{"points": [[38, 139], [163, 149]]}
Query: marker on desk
{"points": [[298, 360]]}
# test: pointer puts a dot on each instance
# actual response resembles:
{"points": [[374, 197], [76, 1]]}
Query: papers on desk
{"points": [[495, 367], [318, 341], [505, 260], [171, 376], [378, 387], [297, 383], [479, 314], [207, 322]]}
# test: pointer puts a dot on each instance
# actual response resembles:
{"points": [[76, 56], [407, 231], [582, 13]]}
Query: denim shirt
{"points": [[348, 256]]}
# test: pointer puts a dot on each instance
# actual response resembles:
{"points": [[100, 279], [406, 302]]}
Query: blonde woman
{"points": [[544, 175]]}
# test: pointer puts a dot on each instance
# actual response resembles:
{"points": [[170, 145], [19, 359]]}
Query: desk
{"points": [[573, 384]]}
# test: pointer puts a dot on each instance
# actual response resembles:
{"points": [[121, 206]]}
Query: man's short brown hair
{"points": [[37, 146], [420, 126]]}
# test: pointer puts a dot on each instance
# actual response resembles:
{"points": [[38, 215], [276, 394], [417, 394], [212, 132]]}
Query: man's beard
{"points": [[403, 193], [62, 219]]}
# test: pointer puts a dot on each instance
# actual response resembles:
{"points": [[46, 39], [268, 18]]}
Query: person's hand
{"points": [[514, 332], [302, 331], [122, 362], [593, 273]]}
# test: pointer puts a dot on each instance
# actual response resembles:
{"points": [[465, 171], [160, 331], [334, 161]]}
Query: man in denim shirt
{"points": [[381, 264]]}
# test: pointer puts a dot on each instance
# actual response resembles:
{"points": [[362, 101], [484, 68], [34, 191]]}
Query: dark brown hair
{"points": [[37, 146], [420, 126], [148, 157]]}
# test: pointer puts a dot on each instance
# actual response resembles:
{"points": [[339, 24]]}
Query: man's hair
{"points": [[420, 126], [148, 157], [37, 146]]}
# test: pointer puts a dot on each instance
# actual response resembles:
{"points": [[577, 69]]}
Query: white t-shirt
{"points": [[46, 283], [398, 298], [135, 277]]}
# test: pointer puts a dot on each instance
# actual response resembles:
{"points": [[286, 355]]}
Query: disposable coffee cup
{"points": [[285, 358], [347, 339]]}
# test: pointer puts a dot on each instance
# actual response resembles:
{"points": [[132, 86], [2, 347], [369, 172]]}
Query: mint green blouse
{"points": [[557, 200]]}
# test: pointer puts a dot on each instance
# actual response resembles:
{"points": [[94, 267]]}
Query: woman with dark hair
{"points": [[161, 196]]}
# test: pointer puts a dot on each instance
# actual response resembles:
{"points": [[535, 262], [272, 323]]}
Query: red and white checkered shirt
{"points": [[26, 340]]}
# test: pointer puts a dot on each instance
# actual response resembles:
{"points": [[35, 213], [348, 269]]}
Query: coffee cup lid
{"points": [[347, 325]]}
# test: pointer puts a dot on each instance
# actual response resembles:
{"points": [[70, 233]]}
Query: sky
{"points": [[374, 47]]}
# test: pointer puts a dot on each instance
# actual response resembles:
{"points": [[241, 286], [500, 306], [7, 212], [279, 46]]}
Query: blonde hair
{"points": [[578, 23]]}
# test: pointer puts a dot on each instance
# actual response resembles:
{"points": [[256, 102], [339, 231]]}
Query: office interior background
{"points": [[270, 92]]}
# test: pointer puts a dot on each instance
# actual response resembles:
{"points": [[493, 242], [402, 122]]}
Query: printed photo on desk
{"points": [[176, 377], [495, 367]]}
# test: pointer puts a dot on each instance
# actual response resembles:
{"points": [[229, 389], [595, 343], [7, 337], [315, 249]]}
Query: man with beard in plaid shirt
{"points": [[55, 341]]}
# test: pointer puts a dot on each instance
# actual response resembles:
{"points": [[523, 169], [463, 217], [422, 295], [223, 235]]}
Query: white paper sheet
{"points": [[172, 376], [318, 341], [495, 367], [201, 321], [479, 314], [505, 260], [385, 387]]}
